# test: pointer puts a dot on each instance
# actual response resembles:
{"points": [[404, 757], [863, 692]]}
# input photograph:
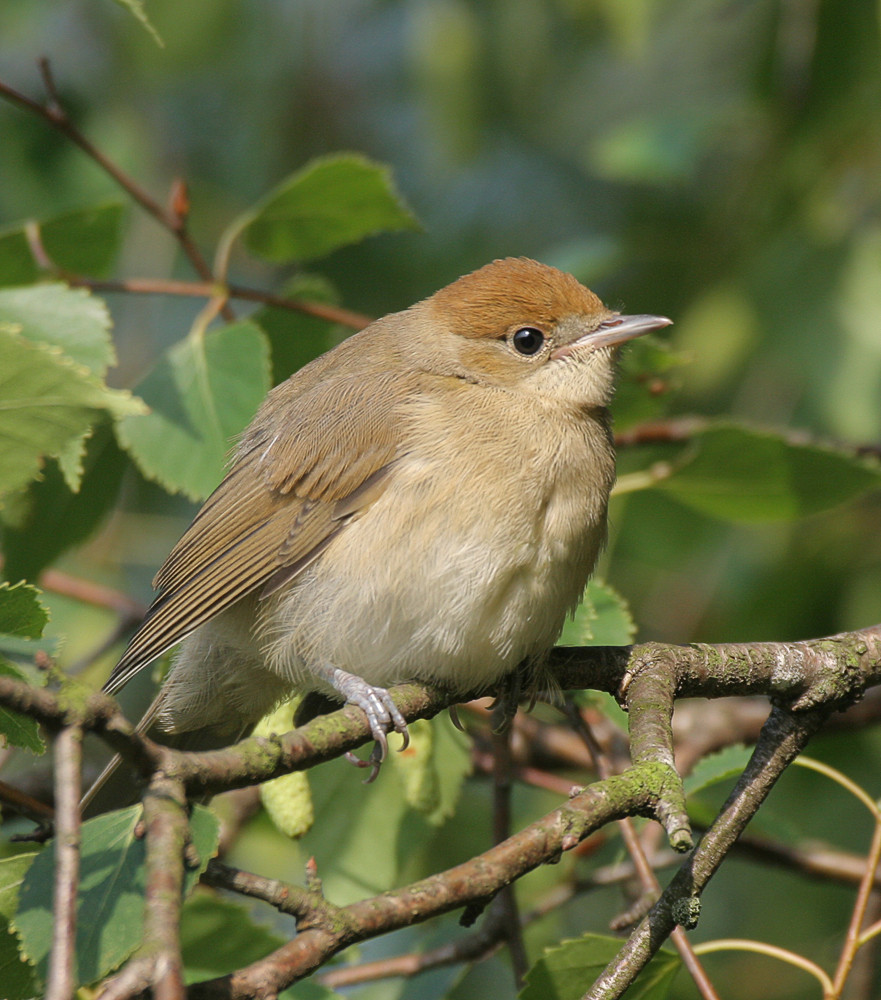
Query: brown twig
{"points": [[25, 804], [648, 880], [504, 906], [88, 592], [209, 289], [784, 736], [467, 884], [852, 939], [68, 779]]}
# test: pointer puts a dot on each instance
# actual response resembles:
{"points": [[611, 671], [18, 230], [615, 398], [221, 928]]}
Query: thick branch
{"points": [[783, 737], [472, 883]]}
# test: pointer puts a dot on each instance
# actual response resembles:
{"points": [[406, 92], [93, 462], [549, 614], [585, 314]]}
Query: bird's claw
{"points": [[382, 714]]}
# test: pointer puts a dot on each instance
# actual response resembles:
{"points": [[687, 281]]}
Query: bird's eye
{"points": [[528, 340]]}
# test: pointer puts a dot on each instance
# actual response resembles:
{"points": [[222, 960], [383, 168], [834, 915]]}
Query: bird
{"points": [[424, 502]]}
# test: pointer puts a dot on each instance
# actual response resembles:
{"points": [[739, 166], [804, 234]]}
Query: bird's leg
{"points": [[377, 704]]}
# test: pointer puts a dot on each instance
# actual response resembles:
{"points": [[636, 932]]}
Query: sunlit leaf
{"points": [[68, 318], [202, 394], [601, 619], [21, 613], [330, 203], [17, 976], [46, 400], [110, 902]]}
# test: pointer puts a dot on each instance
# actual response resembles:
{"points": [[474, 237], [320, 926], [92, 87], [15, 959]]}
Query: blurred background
{"points": [[716, 161]]}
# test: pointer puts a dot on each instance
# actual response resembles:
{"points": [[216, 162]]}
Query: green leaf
{"points": [[740, 474], [208, 919], [22, 617], [50, 519], [85, 241], [330, 203], [110, 902], [294, 337], [722, 766], [202, 394], [601, 619], [17, 264], [46, 401], [69, 318], [16, 729], [566, 972], [17, 976], [21, 613]]}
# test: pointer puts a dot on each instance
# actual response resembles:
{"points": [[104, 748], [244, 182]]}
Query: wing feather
{"points": [[289, 493]]}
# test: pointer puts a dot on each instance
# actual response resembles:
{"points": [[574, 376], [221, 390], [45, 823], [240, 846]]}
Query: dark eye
{"points": [[528, 341]]}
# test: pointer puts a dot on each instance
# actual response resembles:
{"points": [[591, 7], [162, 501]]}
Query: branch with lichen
{"points": [[806, 680]]}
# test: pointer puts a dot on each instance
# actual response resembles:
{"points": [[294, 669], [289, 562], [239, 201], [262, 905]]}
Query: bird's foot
{"points": [[382, 714]]}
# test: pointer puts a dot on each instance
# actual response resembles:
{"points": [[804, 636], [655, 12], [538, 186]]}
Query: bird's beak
{"points": [[615, 330]]}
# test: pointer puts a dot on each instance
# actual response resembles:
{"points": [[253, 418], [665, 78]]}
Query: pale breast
{"points": [[467, 563]]}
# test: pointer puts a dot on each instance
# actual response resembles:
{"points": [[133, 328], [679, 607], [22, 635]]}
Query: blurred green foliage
{"points": [[715, 161]]}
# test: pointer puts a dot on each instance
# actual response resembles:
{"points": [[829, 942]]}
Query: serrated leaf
{"points": [[17, 976], [209, 919], [16, 729], [746, 475], [722, 766], [22, 620], [46, 400], [21, 613], [566, 972], [601, 619], [70, 318], [52, 519], [110, 901], [330, 203], [613, 624], [202, 394]]}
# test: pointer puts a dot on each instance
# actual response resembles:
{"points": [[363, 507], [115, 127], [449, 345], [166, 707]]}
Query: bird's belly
{"points": [[452, 597]]}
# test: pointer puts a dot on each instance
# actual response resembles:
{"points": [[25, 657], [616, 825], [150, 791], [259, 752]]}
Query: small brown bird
{"points": [[426, 501]]}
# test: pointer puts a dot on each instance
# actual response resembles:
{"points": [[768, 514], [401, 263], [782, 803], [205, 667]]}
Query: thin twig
{"points": [[209, 289], [68, 781], [853, 940], [54, 114], [505, 904], [647, 878], [783, 737]]}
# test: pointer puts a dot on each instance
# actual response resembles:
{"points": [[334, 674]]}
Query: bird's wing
{"points": [[299, 477]]}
